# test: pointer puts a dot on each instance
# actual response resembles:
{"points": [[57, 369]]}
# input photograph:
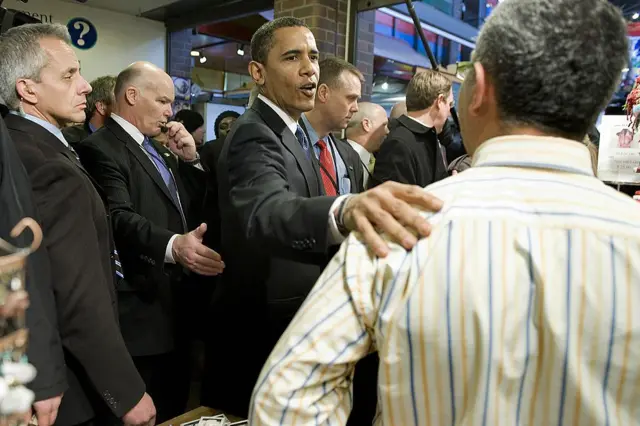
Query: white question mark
{"points": [[85, 29]]}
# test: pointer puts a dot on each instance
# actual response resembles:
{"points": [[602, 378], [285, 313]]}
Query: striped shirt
{"points": [[520, 308]]}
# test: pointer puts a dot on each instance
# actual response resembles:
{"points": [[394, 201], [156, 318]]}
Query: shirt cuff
{"points": [[335, 236], [168, 254]]}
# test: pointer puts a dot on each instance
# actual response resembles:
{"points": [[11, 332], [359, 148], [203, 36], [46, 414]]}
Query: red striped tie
{"points": [[328, 170]]}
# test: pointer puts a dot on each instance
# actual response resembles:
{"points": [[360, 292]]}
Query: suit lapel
{"points": [[290, 142], [351, 172], [137, 151]]}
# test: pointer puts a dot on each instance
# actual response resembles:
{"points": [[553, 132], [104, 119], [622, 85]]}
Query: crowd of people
{"points": [[393, 277]]}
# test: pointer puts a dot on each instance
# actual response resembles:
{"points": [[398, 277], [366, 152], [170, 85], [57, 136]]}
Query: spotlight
{"points": [[203, 59], [635, 15], [240, 51], [195, 53], [385, 85]]}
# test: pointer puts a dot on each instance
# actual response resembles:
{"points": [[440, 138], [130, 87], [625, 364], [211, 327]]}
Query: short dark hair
{"points": [[191, 120], [102, 90], [332, 67], [554, 63], [222, 116], [424, 88], [262, 40]]}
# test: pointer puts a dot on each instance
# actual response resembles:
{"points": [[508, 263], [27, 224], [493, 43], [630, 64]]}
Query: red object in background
{"points": [[637, 196], [633, 29]]}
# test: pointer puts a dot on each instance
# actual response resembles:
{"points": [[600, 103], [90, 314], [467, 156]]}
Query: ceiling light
{"points": [[635, 15], [195, 53], [385, 85], [240, 51], [203, 59]]}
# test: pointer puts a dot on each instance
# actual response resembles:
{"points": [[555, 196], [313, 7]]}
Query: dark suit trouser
{"points": [[365, 391], [167, 379]]}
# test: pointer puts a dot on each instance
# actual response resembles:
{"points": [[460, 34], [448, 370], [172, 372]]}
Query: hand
{"points": [[180, 141], [143, 414], [15, 303], [388, 208], [189, 251], [47, 410]]}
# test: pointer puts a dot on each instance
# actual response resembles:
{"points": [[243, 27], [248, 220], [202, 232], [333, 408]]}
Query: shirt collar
{"points": [[129, 128], [538, 152], [43, 123], [365, 155], [288, 121], [92, 128], [417, 121], [313, 135]]}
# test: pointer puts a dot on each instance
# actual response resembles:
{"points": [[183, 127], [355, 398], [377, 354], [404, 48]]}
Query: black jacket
{"points": [[77, 237]]}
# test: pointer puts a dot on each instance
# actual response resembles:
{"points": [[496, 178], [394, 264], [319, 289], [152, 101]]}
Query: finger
{"points": [[371, 238], [205, 262], [406, 215], [415, 195], [205, 251], [389, 224]]}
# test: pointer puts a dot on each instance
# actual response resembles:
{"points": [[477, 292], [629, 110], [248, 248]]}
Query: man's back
{"points": [[520, 306]]}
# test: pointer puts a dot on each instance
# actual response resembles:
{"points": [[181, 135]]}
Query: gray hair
{"points": [[22, 57], [554, 63]]}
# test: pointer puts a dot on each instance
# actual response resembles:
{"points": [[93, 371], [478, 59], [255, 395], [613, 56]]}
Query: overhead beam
{"points": [[209, 13], [364, 5]]}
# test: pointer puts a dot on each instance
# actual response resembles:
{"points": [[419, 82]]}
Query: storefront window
{"points": [[384, 24]]}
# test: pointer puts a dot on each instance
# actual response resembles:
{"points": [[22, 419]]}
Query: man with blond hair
{"points": [[412, 153]]}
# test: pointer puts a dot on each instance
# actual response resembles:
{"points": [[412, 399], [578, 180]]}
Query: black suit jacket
{"points": [[275, 241], [16, 202], [410, 154], [77, 237], [76, 134], [145, 217]]}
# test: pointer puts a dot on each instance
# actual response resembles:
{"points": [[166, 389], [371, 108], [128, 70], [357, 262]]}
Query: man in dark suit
{"points": [[102, 378], [339, 88], [145, 186], [45, 348], [99, 104], [411, 153], [278, 225]]}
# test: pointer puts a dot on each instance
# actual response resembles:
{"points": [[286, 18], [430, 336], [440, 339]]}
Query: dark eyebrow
{"points": [[165, 98], [71, 70], [298, 51]]}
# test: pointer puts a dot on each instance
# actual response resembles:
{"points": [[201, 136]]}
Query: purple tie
{"points": [[162, 167]]}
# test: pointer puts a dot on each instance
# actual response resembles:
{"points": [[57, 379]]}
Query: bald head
{"points": [[139, 74], [368, 127], [399, 109], [144, 94]]}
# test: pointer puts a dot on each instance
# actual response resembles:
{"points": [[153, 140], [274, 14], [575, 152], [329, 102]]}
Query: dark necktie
{"points": [[328, 169], [303, 141], [164, 171]]}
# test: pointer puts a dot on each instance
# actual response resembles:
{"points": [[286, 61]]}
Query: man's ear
{"points": [[257, 72], [323, 93], [101, 108], [366, 125], [26, 90], [479, 91], [131, 95]]}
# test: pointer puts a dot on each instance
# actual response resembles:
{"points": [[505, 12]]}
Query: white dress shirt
{"points": [[55, 131], [522, 307], [365, 157], [137, 136], [335, 236]]}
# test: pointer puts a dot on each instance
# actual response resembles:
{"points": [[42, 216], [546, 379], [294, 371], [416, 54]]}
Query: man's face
{"points": [[153, 103], [290, 76], [342, 100], [61, 94], [225, 126], [444, 106], [380, 129], [198, 136]]}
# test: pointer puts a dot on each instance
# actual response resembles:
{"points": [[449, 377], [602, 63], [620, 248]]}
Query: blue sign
{"points": [[83, 33]]}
